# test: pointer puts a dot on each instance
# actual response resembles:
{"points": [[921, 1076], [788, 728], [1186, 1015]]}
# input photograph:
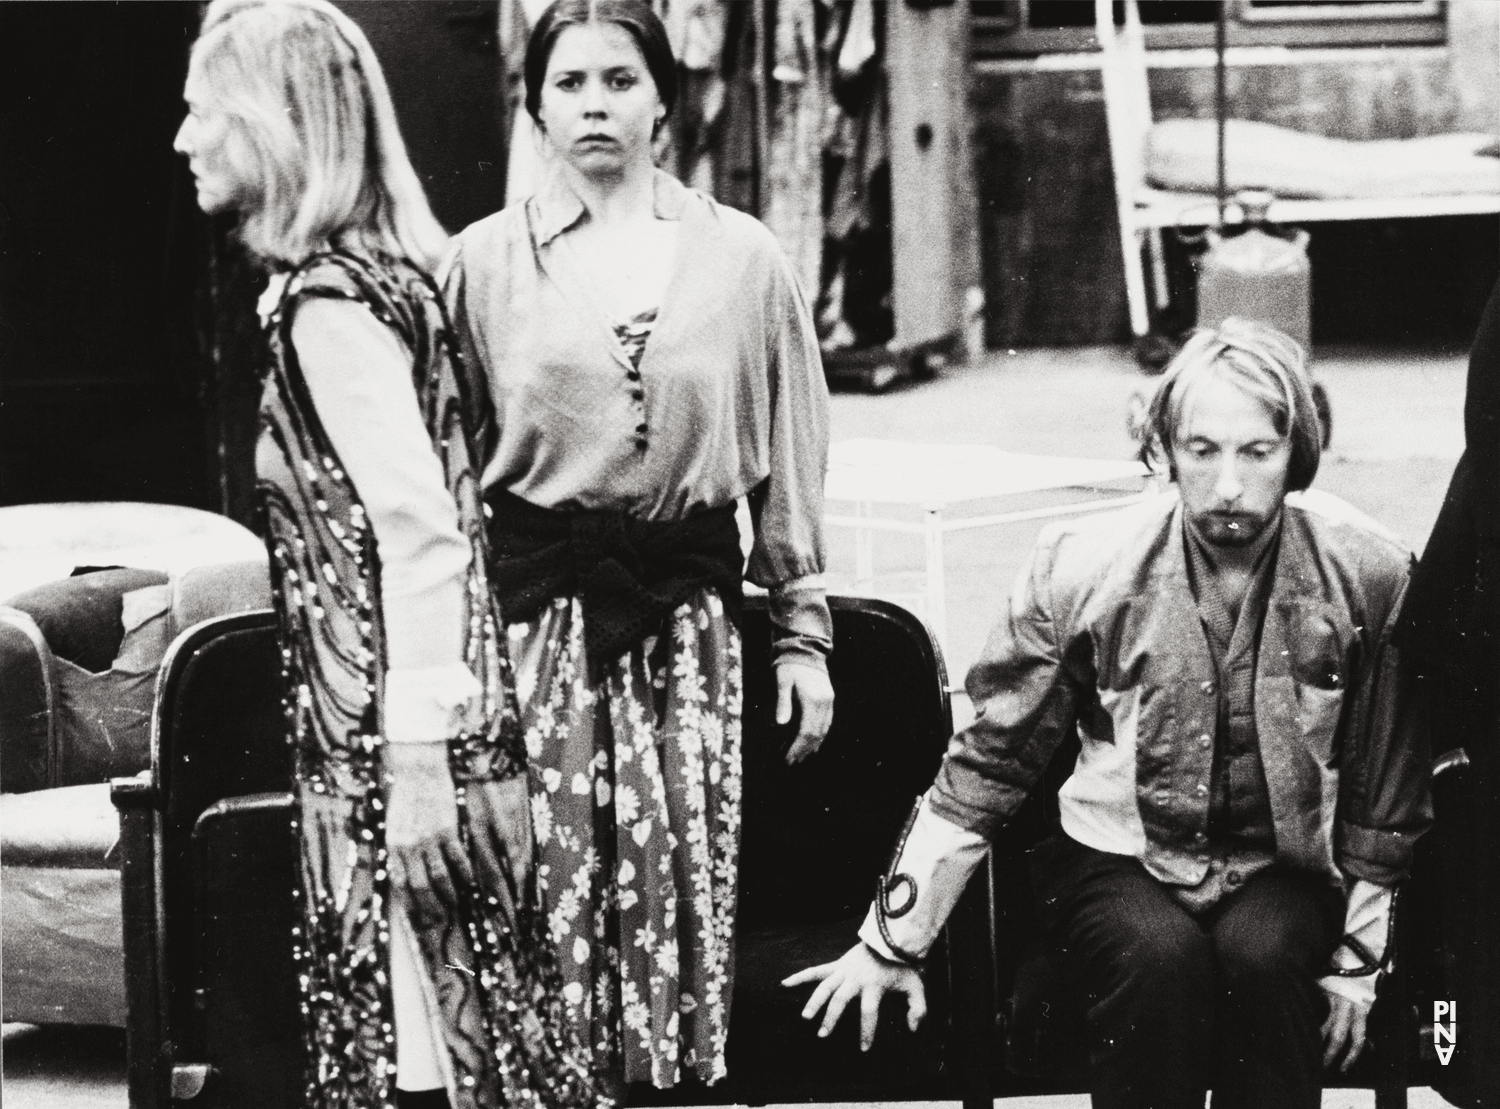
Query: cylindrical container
{"points": [[1261, 273]]}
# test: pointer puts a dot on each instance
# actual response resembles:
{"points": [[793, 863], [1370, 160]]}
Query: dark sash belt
{"points": [[630, 574]]}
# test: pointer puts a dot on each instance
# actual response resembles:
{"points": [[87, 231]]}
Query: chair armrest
{"points": [[131, 794], [147, 1050], [272, 801], [26, 663], [1449, 762]]}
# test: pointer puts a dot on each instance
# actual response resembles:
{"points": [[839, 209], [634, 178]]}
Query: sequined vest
{"points": [[325, 562]]}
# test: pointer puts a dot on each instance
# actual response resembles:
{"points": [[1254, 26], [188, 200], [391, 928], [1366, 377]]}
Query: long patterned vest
{"points": [[495, 977]]}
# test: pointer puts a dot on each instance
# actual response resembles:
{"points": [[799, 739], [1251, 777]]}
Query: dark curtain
{"points": [[100, 383], [130, 354]]}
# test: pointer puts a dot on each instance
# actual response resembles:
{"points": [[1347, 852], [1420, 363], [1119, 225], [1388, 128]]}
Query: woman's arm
{"points": [[361, 384], [788, 556], [484, 431], [360, 380]]}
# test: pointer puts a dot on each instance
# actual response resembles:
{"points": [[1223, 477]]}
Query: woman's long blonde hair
{"points": [[301, 84]]}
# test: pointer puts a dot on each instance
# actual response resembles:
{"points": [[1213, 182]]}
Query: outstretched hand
{"points": [[863, 974]]}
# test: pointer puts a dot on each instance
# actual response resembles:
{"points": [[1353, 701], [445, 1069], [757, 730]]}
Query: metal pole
{"points": [[762, 108], [937, 606], [1221, 107]]}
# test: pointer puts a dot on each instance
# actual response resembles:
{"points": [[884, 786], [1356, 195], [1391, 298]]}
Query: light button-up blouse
{"points": [[729, 399]]}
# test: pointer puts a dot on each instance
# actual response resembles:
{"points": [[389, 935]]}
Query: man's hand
{"points": [[813, 693], [1367, 920], [1349, 1002], [500, 829], [421, 828], [860, 973]]}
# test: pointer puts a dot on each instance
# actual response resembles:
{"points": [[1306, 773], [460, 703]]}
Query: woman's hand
{"points": [[421, 828], [863, 974], [500, 829], [810, 688]]}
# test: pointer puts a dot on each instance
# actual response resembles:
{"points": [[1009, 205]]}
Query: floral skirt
{"points": [[636, 807]]}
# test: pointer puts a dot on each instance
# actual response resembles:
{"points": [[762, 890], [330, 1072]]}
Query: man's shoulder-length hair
{"points": [[304, 90], [1267, 365]]}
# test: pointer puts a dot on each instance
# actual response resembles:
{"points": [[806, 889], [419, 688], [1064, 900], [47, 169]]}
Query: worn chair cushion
{"points": [[108, 632], [201, 593], [75, 827], [25, 702], [80, 616]]}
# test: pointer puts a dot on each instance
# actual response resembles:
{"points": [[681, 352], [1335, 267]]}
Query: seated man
{"points": [[1249, 787]]}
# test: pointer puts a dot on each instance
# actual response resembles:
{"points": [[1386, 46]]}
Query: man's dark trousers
{"points": [[1178, 1002]]}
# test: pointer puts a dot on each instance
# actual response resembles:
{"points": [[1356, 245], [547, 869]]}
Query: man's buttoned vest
{"points": [[1103, 634]]}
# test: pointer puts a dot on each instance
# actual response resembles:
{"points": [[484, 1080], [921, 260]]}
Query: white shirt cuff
{"points": [[1367, 917], [426, 704], [937, 858]]}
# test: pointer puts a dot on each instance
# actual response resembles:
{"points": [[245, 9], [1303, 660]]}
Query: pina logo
{"points": [[1441, 1031]]}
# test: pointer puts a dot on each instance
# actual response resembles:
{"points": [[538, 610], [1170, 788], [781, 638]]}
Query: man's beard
{"points": [[1230, 529]]}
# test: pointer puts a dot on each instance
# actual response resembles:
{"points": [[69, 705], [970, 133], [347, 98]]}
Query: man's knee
{"points": [[1180, 946], [1261, 960], [1150, 1005], [1167, 958], [1283, 930], [1121, 929]]}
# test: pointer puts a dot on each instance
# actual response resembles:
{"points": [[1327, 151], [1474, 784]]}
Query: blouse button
{"points": [[640, 429], [633, 375], [638, 395], [640, 444]]}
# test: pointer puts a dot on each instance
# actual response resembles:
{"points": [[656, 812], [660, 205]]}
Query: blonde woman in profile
{"points": [[426, 976]]}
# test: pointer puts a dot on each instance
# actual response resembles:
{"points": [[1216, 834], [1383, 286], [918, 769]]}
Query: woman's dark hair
{"points": [[635, 16]]}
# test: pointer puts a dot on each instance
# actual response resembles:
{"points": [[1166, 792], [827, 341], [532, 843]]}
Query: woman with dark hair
{"points": [[426, 975], [650, 360]]}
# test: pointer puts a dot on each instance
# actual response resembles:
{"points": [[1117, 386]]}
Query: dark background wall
{"points": [[129, 350], [442, 64], [98, 391]]}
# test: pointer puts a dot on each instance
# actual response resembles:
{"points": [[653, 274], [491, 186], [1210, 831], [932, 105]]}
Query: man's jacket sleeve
{"points": [[1384, 799], [1025, 701], [1025, 697]]}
